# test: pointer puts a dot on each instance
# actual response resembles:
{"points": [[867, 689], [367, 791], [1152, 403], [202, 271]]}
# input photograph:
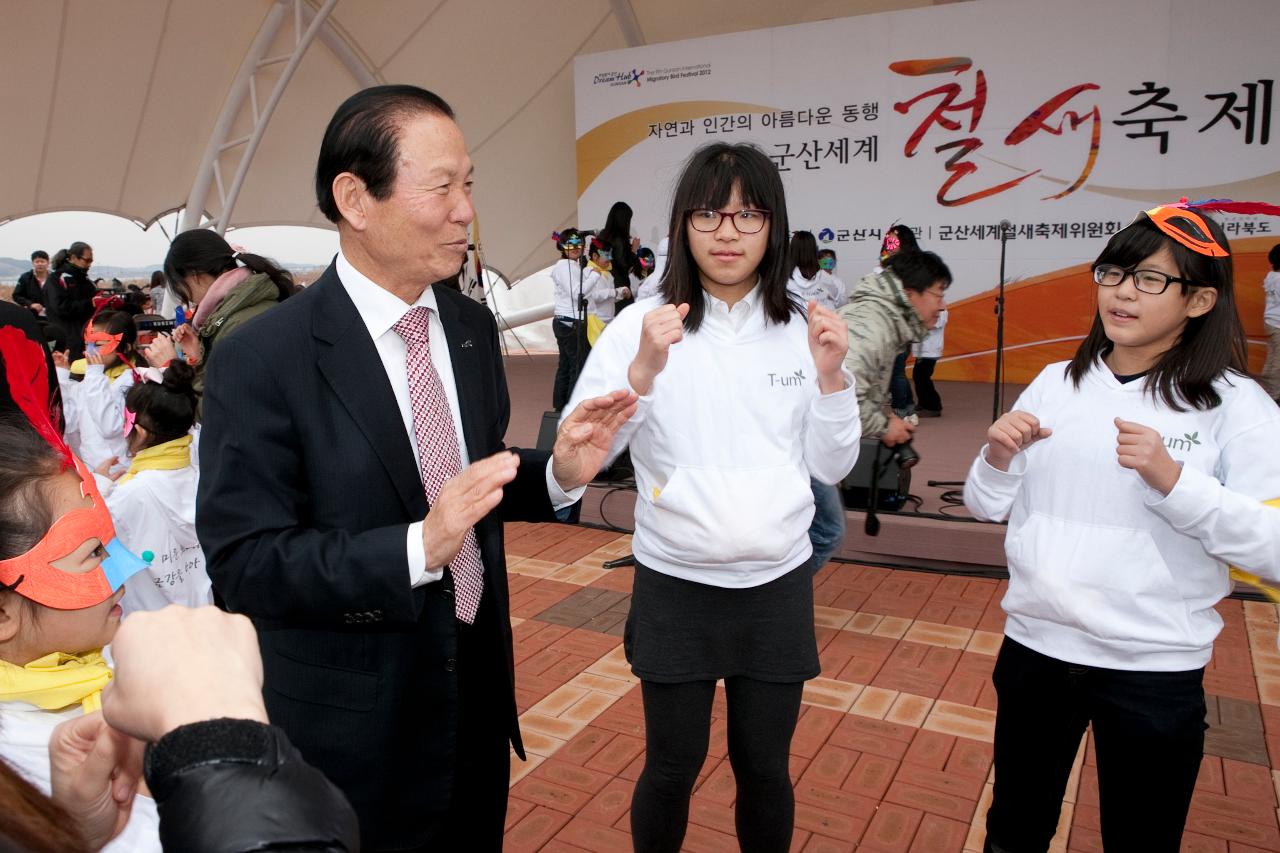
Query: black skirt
{"points": [[679, 630]]}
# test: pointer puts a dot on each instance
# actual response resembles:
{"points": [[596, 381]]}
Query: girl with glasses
{"points": [[1131, 477], [742, 399]]}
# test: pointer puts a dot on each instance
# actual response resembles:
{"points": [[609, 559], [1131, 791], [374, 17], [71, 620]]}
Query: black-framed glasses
{"points": [[1147, 281], [746, 221]]}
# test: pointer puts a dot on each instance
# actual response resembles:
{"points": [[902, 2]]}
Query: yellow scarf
{"points": [[57, 681], [113, 373], [170, 456]]}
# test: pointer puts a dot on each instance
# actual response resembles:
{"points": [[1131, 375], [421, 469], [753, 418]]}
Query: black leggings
{"points": [[677, 718]]}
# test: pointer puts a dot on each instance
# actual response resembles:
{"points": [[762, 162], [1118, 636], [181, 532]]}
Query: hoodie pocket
{"points": [[720, 515], [1109, 582]]}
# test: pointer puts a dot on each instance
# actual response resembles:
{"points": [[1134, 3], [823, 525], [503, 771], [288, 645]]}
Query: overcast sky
{"points": [[119, 242]]}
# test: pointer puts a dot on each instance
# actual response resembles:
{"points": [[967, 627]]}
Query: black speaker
{"points": [[547, 431], [893, 485]]}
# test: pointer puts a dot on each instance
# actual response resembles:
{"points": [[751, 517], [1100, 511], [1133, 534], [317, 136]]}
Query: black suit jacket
{"points": [[307, 486]]}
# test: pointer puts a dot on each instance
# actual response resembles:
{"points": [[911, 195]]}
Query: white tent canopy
{"points": [[143, 107]]}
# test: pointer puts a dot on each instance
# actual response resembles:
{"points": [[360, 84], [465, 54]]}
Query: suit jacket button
{"points": [[346, 617], [377, 615], [450, 664]]}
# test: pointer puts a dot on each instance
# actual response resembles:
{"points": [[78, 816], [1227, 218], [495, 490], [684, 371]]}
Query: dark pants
{"points": [[926, 392], [900, 388], [1148, 728], [677, 720], [474, 818], [567, 340]]}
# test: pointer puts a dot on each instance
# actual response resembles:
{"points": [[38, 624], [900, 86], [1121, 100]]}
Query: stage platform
{"points": [[893, 749]]}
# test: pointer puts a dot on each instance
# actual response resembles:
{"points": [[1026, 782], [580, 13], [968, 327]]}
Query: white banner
{"points": [[1063, 118]]}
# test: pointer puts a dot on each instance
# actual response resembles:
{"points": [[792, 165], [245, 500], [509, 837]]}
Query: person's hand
{"points": [[828, 343], [187, 338], [1011, 434], [899, 432], [183, 665], [462, 502], [635, 244], [62, 358], [160, 352], [624, 292], [105, 469], [1142, 449], [94, 358], [661, 327], [37, 307], [94, 772], [585, 436]]}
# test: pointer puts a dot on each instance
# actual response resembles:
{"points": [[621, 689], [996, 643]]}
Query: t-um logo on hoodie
{"points": [[1188, 441], [793, 379]]}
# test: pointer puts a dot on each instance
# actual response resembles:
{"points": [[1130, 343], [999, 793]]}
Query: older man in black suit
{"points": [[354, 484]]}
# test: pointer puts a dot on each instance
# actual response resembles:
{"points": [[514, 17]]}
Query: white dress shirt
{"points": [[380, 310]]}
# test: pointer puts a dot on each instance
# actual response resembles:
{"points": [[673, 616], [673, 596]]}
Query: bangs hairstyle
{"points": [[1210, 345], [707, 182]]}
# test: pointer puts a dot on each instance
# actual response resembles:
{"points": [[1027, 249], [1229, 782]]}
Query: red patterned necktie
{"points": [[438, 454]]}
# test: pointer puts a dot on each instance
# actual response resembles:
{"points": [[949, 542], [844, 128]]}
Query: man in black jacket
{"points": [[68, 294], [354, 482], [30, 290]]}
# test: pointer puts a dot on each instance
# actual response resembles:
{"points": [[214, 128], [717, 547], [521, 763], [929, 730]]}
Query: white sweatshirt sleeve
{"points": [[70, 397], [102, 401], [832, 432], [606, 371], [598, 290], [989, 492], [1229, 518]]}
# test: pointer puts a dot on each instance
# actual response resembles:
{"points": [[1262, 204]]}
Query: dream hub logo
{"points": [[618, 78]]}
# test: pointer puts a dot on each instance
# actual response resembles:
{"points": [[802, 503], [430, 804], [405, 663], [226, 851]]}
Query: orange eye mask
{"points": [[106, 344], [34, 576]]}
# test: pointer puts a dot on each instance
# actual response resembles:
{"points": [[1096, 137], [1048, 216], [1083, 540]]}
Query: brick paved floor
{"points": [[893, 748]]}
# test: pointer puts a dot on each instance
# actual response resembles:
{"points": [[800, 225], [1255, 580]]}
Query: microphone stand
{"points": [[997, 402], [580, 333]]}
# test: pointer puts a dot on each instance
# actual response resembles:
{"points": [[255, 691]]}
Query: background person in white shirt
{"points": [[927, 353], [1271, 317], [809, 281], [742, 400], [827, 263], [570, 280], [1131, 477]]}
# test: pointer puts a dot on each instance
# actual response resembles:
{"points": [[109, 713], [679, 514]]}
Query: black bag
{"points": [[879, 464]]}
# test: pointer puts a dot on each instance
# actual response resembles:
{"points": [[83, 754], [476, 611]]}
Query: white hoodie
{"points": [[156, 511], [97, 406], [1104, 570], [824, 288], [649, 287], [725, 442]]}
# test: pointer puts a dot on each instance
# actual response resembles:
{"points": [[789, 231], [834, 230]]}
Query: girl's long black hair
{"points": [[201, 251], [1211, 344]]}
